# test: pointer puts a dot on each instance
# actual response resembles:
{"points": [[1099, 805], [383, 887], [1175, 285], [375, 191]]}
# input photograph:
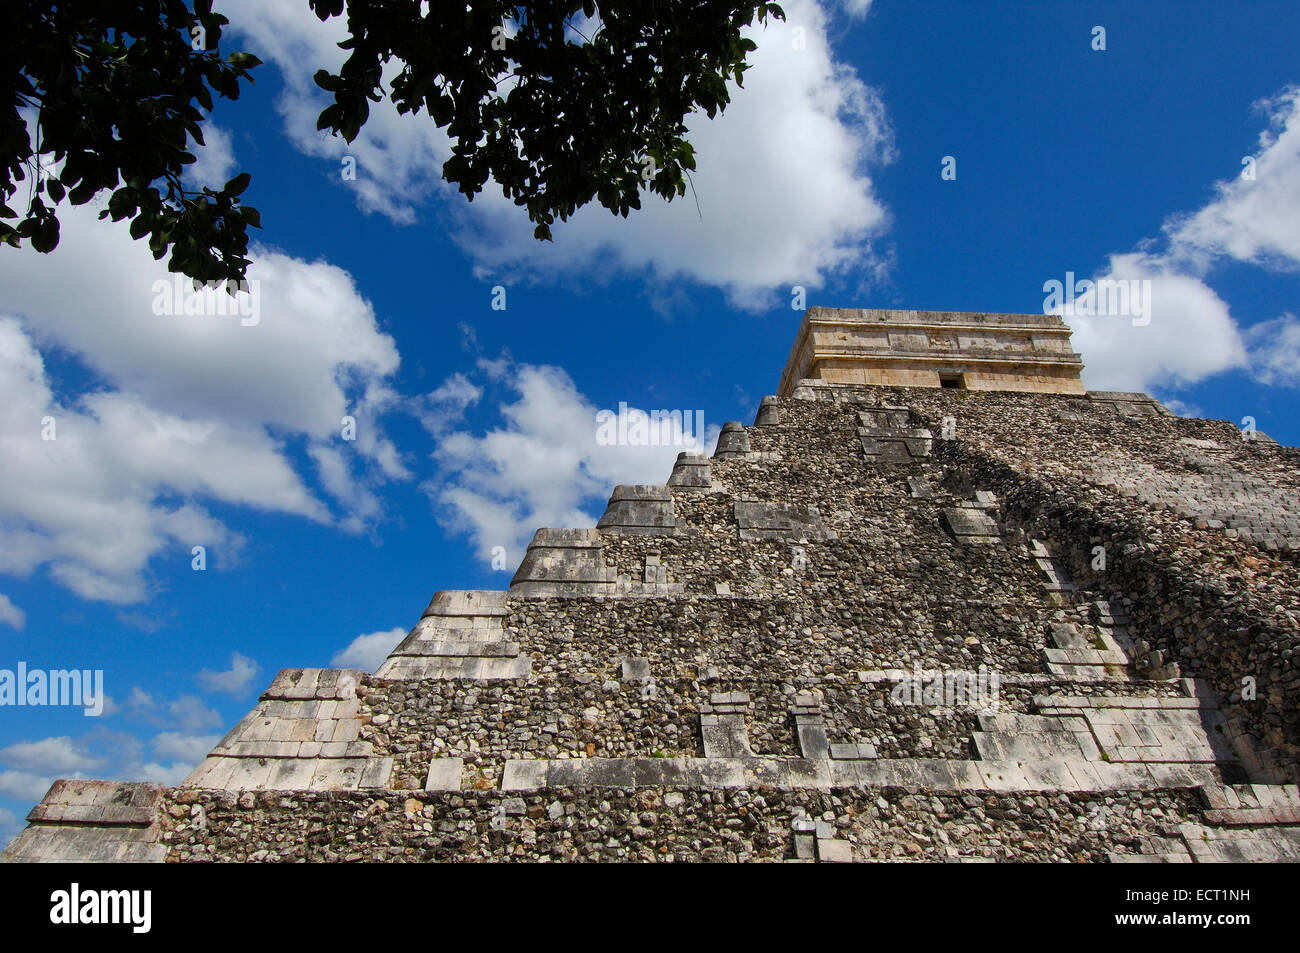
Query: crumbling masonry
{"points": [[938, 603]]}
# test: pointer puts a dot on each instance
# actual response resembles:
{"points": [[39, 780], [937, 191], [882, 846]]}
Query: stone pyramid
{"points": [[938, 603]]}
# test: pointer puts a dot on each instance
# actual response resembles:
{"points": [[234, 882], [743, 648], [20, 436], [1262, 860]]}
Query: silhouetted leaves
{"points": [[110, 89], [113, 89], [555, 117]]}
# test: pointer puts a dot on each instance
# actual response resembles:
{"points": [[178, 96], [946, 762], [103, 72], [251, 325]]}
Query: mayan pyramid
{"points": [[938, 603]]}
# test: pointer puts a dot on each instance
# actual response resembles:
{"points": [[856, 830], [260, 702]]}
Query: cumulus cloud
{"points": [[215, 163], [1192, 334], [10, 614], [101, 482], [1254, 220], [32, 766], [369, 651], [24, 786], [235, 680], [289, 371], [782, 182], [443, 407], [186, 749], [546, 465], [61, 756], [185, 713], [188, 733], [1275, 351]]}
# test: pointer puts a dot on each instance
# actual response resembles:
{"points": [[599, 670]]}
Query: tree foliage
{"points": [[558, 102], [557, 116], [114, 87]]}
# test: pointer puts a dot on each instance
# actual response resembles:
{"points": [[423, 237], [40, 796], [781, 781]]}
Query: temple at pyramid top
{"points": [[975, 351]]}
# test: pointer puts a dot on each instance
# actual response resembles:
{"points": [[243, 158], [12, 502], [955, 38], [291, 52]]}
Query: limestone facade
{"points": [[965, 350]]}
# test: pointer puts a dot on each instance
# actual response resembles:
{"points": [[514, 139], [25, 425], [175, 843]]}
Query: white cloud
{"points": [[444, 407], [24, 786], [61, 756], [188, 714], [89, 504], [784, 195], [1275, 351], [368, 652], [86, 501], [215, 163], [100, 753], [235, 680], [32, 766], [9, 826], [186, 748], [10, 614], [398, 158], [1181, 408], [285, 372], [1192, 333], [781, 182], [1257, 220], [544, 466]]}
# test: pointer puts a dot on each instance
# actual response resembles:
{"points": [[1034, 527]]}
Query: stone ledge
{"points": [[92, 814], [1253, 816], [306, 684], [92, 822], [290, 774], [934, 774]]}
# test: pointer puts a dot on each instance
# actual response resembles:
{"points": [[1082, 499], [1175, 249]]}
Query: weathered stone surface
{"points": [[92, 821], [788, 521], [975, 351], [444, 774], [769, 413], [807, 641], [733, 442], [969, 525], [564, 562], [691, 472], [644, 510]]}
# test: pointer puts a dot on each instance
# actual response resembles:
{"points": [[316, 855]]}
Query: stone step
{"points": [[936, 774], [1209, 844], [291, 774], [691, 472], [459, 648], [639, 510], [418, 668], [92, 822]]}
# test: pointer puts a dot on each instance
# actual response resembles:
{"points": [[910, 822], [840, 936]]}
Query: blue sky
{"points": [[475, 425]]}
